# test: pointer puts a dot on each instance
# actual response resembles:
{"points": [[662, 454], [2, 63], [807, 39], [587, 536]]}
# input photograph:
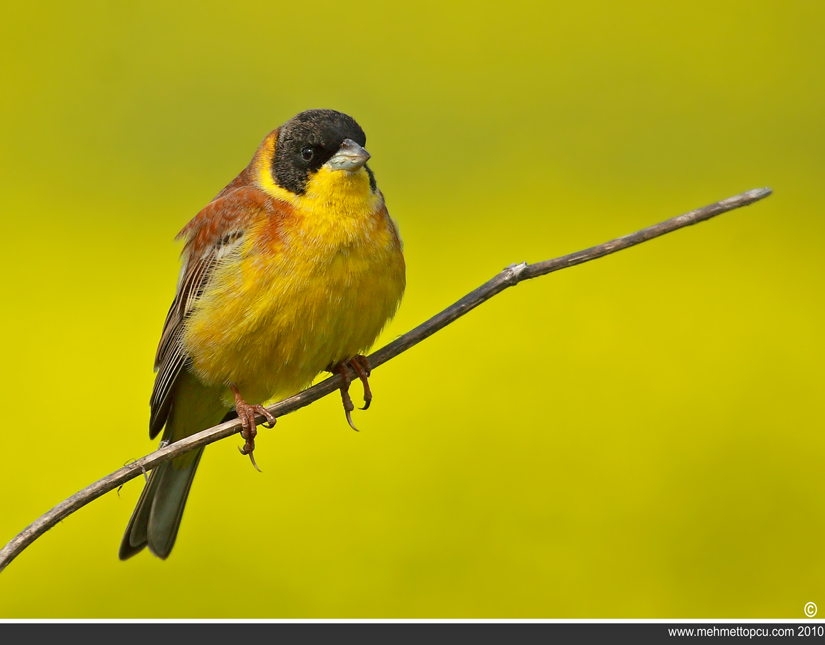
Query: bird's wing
{"points": [[212, 235]]}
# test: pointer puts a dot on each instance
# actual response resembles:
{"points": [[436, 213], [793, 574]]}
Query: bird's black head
{"points": [[309, 140]]}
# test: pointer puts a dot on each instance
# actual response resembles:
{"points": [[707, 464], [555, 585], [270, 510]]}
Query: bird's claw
{"points": [[249, 429], [347, 412], [361, 366], [266, 414], [243, 451]]}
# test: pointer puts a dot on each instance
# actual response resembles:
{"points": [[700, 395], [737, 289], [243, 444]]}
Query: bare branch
{"points": [[510, 276]]}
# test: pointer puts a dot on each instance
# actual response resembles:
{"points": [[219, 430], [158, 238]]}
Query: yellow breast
{"points": [[299, 294]]}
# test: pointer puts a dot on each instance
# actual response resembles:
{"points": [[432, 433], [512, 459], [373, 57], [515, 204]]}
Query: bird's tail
{"points": [[156, 518]]}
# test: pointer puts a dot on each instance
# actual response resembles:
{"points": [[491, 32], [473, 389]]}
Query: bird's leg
{"points": [[247, 413], [361, 366]]}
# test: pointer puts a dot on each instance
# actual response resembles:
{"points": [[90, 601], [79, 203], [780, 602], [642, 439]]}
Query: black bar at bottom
{"points": [[158, 633]]}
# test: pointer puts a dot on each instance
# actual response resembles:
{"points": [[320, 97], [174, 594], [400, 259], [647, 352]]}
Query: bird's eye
{"points": [[307, 153]]}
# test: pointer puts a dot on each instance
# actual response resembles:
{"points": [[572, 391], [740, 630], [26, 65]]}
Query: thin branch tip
{"points": [[509, 277], [751, 196]]}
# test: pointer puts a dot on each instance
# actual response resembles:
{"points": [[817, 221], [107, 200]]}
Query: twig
{"points": [[510, 276]]}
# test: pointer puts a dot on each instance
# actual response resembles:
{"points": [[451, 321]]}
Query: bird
{"points": [[293, 269]]}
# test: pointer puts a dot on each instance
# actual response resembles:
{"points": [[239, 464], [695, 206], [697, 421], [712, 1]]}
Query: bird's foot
{"points": [[249, 425], [361, 366]]}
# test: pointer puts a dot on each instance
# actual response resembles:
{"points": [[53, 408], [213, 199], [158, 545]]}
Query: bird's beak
{"points": [[350, 156]]}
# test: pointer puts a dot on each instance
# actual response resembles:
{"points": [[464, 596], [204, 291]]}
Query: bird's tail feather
{"points": [[156, 518]]}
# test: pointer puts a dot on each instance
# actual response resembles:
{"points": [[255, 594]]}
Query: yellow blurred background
{"points": [[637, 437]]}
